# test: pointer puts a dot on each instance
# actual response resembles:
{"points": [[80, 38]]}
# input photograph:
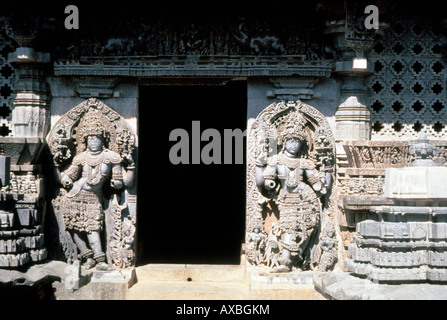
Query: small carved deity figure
{"points": [[82, 207], [328, 248], [293, 178], [256, 245], [272, 252]]}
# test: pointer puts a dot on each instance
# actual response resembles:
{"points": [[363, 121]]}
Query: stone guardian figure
{"points": [[298, 182], [82, 207], [290, 204], [93, 210]]}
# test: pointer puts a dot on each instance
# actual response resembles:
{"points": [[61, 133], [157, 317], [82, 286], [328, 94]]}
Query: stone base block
{"points": [[389, 275], [112, 285], [14, 260], [12, 245], [343, 286], [414, 231]]}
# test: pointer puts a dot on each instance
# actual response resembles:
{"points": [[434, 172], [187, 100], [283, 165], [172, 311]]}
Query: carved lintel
{"points": [[292, 88], [96, 87], [234, 66]]}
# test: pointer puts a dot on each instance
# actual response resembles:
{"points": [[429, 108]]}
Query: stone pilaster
{"points": [[352, 116], [31, 115], [22, 204]]}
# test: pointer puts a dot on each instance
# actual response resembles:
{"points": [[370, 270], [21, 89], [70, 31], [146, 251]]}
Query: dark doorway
{"points": [[189, 213]]}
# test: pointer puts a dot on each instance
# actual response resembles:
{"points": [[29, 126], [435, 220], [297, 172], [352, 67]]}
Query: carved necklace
{"points": [[292, 176], [291, 163], [92, 161]]}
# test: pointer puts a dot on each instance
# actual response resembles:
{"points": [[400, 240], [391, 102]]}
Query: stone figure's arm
{"points": [[129, 175], [71, 174], [313, 176], [259, 176], [117, 176], [265, 177], [314, 179]]}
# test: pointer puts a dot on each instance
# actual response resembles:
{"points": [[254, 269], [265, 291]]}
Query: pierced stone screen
{"points": [[407, 91]]}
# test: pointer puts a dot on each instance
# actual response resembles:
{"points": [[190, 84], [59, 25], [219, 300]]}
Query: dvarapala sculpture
{"points": [[93, 151], [290, 220]]}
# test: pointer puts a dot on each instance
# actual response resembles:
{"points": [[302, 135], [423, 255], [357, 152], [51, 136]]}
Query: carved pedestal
{"points": [[21, 210], [407, 242]]}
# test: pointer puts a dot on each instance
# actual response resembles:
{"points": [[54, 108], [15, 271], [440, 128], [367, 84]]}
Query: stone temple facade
{"points": [[338, 168]]}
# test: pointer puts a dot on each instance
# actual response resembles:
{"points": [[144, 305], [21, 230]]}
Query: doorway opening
{"points": [[189, 213]]}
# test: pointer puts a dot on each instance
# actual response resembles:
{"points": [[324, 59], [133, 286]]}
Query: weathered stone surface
{"points": [[12, 245], [343, 286], [352, 120], [14, 260], [50, 271], [408, 242], [415, 183], [403, 231], [112, 285]]}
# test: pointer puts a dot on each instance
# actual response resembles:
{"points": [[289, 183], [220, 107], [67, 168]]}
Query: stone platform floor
{"points": [[205, 282], [214, 282]]}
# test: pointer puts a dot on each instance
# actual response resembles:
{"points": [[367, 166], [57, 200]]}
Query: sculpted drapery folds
{"points": [[93, 148], [290, 225]]}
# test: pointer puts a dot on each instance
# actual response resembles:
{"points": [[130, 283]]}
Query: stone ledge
{"points": [[343, 286], [49, 271]]}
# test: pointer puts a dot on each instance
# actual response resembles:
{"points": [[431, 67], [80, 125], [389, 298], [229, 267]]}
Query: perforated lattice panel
{"points": [[407, 93], [6, 87]]}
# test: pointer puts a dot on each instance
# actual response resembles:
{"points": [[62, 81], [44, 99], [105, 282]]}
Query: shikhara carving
{"points": [[93, 150], [290, 221]]}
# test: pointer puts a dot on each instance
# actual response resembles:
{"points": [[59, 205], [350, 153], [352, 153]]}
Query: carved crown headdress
{"points": [[292, 126], [93, 122]]}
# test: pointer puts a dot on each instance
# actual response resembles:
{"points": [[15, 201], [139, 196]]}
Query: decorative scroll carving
{"points": [[290, 171], [94, 150]]}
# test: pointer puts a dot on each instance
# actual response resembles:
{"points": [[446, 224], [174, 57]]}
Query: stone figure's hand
{"points": [[269, 184], [57, 156], [261, 160], [67, 182], [317, 186], [117, 184], [128, 160]]}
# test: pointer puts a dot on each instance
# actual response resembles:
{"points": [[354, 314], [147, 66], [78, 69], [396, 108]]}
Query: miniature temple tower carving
{"points": [[290, 224], [93, 150]]}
